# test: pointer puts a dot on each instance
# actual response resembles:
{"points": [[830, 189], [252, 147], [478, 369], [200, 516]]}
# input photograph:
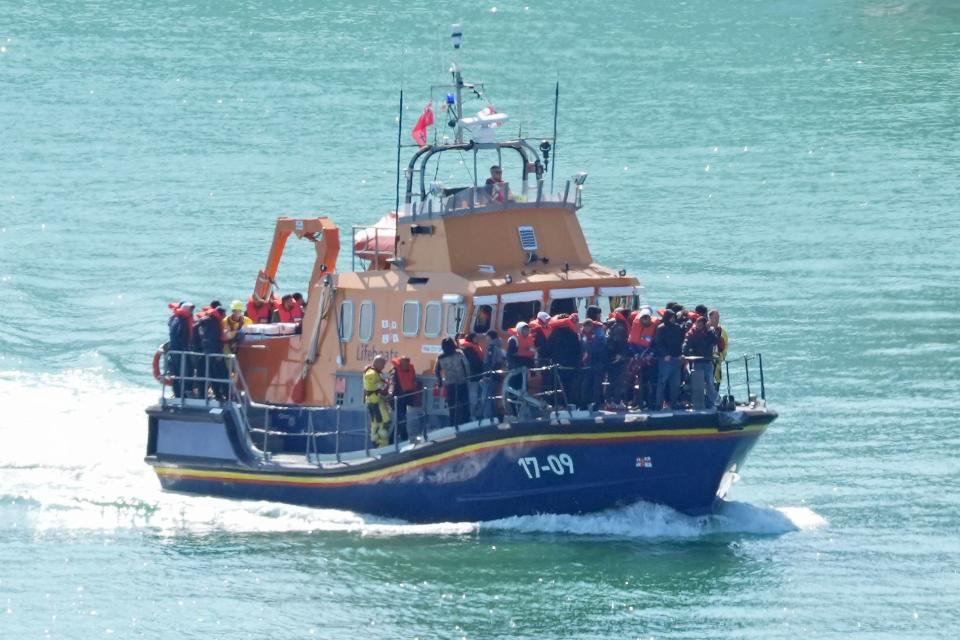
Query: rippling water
{"points": [[793, 163]]}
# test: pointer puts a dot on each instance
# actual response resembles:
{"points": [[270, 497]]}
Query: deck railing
{"points": [[206, 380]]}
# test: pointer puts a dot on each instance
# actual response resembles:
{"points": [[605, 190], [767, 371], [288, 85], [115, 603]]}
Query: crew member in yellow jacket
{"points": [[374, 394], [720, 355]]}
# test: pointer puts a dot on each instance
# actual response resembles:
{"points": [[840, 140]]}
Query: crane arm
{"points": [[322, 231]]}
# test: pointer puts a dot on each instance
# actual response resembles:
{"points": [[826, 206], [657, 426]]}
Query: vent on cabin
{"points": [[528, 239]]}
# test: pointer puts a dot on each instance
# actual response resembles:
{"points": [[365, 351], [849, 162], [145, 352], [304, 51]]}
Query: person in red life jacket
{"points": [[497, 190], [668, 347], [471, 348], [180, 326], [213, 367], [564, 345], [405, 392], [259, 311], [644, 365], [289, 310]]}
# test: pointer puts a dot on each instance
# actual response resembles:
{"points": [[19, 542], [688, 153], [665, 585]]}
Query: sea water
{"points": [[793, 164]]}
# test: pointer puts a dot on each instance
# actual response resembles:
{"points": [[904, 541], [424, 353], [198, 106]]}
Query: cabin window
{"points": [[432, 319], [345, 321], [455, 316], [365, 329], [483, 318], [411, 318], [563, 305], [514, 312]]}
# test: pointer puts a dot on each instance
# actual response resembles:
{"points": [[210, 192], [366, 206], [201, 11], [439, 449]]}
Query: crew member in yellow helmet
{"points": [[374, 394], [233, 326]]}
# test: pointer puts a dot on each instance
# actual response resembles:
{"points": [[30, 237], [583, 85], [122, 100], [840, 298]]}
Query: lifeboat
{"points": [[310, 413]]}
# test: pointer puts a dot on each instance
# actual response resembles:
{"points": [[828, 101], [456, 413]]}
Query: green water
{"points": [[792, 163]]}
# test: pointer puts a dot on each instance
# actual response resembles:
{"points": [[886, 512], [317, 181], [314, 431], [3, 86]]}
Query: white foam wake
{"points": [[73, 459]]}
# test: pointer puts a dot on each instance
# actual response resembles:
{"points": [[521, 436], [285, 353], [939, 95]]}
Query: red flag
{"points": [[419, 132]]}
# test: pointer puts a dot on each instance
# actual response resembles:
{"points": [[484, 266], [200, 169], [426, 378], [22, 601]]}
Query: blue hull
{"points": [[679, 460]]}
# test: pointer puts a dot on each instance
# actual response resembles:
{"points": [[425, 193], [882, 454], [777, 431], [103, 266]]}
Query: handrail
{"points": [[201, 377]]}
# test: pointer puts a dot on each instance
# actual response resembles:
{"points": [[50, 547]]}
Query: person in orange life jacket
{"points": [[520, 355], [595, 359], [700, 341], [453, 371], [617, 329], [539, 330], [259, 310], [471, 348], [180, 326], [233, 326], [497, 189], [494, 361], [668, 347], [403, 388], [564, 346], [289, 310], [644, 365], [212, 339]]}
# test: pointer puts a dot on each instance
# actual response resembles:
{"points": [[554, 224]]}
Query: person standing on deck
{"points": [[403, 391], [594, 348], [181, 339], [494, 361], [700, 342], [520, 355], [259, 310], [289, 310], [374, 395], [233, 326], [470, 345], [564, 345], [720, 354], [213, 367], [668, 347], [452, 372]]}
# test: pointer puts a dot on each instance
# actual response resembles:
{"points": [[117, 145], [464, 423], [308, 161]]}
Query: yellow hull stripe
{"points": [[376, 474]]}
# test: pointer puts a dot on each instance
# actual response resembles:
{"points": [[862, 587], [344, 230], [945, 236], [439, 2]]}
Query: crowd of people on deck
{"points": [[215, 330], [641, 359]]}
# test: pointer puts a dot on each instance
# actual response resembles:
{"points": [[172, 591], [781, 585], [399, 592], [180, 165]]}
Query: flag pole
{"points": [[399, 138], [556, 102]]}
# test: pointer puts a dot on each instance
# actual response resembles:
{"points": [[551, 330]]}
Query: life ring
{"points": [[162, 379]]}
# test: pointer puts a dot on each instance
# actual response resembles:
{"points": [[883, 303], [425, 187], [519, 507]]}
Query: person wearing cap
{"points": [[594, 349], [180, 327], [374, 396], [520, 355], [644, 365], [668, 349], [233, 326], [539, 331]]}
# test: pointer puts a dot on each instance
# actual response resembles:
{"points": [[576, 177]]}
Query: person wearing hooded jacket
{"points": [[564, 346], [700, 342], [180, 326]]}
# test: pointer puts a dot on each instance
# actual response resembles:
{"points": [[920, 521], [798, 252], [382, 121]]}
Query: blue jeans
{"points": [[668, 381], [704, 368]]}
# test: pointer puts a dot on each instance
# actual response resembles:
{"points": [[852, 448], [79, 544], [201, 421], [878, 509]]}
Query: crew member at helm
{"points": [[497, 189]]}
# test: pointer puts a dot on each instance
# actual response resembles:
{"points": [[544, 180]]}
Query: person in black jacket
{"points": [[181, 340], [668, 347], [564, 346], [213, 366], [700, 342]]}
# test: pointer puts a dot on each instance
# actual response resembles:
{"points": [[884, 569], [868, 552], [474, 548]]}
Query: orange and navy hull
{"points": [[680, 460]]}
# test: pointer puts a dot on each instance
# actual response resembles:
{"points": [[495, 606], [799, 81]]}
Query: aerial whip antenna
{"points": [[399, 138], [556, 102]]}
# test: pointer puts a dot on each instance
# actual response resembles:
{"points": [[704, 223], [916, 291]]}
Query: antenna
{"points": [[399, 138], [456, 36], [556, 102]]}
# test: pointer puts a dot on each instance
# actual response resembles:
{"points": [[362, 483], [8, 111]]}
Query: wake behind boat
{"points": [[294, 408]]}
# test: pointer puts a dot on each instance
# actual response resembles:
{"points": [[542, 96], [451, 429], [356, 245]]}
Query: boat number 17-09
{"points": [[558, 465]]}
